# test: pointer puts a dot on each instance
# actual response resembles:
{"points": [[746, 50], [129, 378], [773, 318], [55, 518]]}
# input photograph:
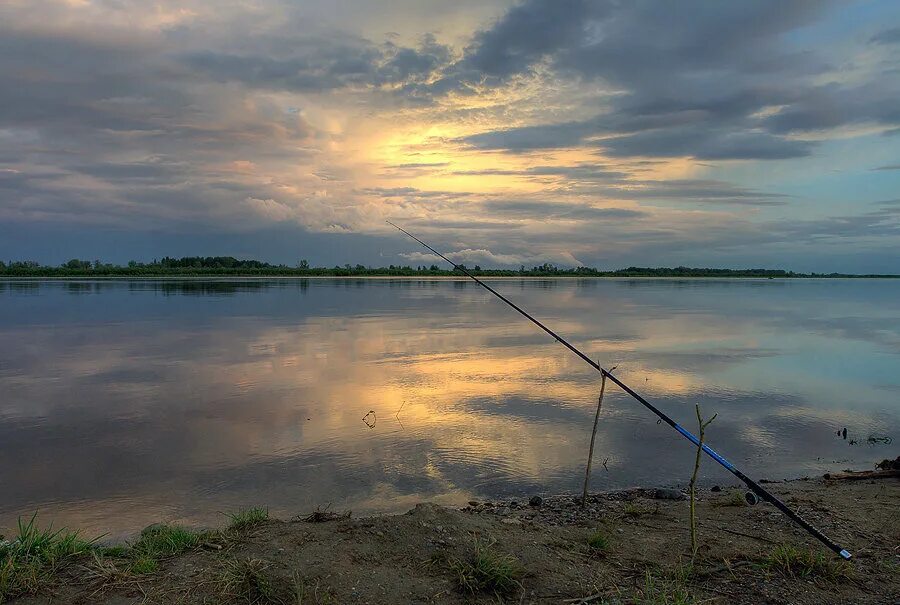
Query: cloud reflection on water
{"points": [[129, 402]]}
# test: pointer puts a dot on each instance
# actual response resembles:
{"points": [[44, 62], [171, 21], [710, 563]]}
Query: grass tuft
{"points": [[159, 541], [634, 510], [796, 563], [27, 560], [102, 570], [143, 564], [664, 591], [734, 498], [598, 541], [248, 518], [248, 579], [488, 570]]}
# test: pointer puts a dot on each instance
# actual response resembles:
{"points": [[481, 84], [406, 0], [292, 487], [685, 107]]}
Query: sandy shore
{"points": [[623, 547]]}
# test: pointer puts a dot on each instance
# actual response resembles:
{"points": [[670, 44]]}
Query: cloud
{"points": [[558, 211], [412, 193], [320, 63], [270, 209], [413, 165], [887, 36], [527, 33], [707, 191], [691, 79], [529, 138], [469, 256], [537, 129], [833, 106], [581, 172]]}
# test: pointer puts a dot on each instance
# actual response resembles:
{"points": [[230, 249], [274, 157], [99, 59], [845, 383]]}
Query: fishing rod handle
{"points": [[794, 516]]}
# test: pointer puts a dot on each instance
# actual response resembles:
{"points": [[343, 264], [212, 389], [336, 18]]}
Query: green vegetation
{"points": [[248, 580], [793, 562], [30, 557], [29, 560], [158, 541], [143, 564], [487, 570], [635, 510], [733, 498], [659, 590], [224, 266], [248, 518], [598, 541]]}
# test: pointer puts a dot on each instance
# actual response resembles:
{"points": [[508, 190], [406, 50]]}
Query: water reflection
{"points": [[130, 402]]}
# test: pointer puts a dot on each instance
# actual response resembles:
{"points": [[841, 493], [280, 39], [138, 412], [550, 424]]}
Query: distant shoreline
{"points": [[457, 277], [448, 278], [229, 266]]}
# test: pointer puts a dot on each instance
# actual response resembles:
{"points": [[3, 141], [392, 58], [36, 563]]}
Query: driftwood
{"points": [[859, 475]]}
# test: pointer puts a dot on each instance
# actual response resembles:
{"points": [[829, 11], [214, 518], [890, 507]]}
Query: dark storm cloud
{"points": [[408, 63], [832, 106], [702, 141], [109, 129], [319, 64], [696, 77], [73, 84], [888, 36], [527, 33], [528, 138], [153, 171], [705, 144]]}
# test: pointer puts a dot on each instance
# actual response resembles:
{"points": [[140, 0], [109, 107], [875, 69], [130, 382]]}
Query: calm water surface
{"points": [[128, 402]]}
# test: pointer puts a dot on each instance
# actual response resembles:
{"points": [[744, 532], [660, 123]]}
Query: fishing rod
{"points": [[754, 487]]}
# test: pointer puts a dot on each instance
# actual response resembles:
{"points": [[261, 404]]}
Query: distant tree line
{"points": [[230, 266]]}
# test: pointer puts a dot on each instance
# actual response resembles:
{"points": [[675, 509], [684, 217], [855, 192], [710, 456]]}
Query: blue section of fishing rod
{"points": [[712, 453], [753, 485]]}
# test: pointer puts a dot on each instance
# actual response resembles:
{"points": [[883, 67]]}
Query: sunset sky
{"points": [[603, 133]]}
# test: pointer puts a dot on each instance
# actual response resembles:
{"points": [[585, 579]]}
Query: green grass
{"points": [[598, 541], [793, 562], [634, 510], [664, 591], [28, 558], [248, 580], [487, 570], [248, 518], [143, 564], [733, 498], [158, 541]]}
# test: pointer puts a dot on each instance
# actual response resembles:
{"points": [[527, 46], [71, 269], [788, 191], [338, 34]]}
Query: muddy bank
{"points": [[624, 547]]}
